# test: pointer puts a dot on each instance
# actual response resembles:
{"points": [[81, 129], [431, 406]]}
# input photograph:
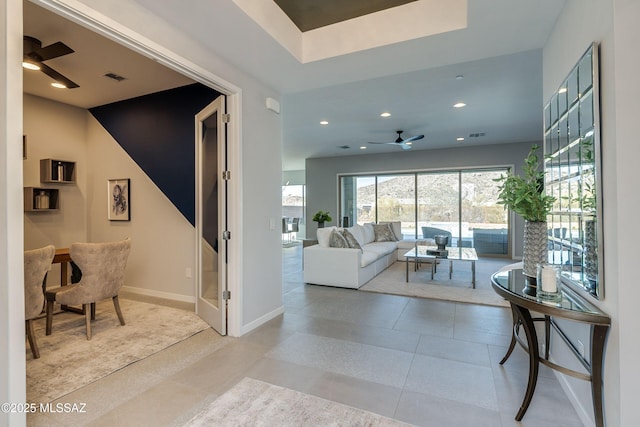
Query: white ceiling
{"points": [[498, 54]]}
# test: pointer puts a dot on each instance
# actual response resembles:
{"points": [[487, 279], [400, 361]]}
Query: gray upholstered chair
{"points": [[36, 264], [102, 266], [432, 232]]}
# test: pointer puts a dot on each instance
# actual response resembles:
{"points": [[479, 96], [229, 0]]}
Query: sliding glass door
{"points": [[439, 205], [459, 203]]}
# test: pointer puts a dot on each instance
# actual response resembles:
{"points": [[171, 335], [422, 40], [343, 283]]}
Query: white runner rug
{"points": [[256, 403]]}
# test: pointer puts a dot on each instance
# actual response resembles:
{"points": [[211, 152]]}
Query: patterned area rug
{"points": [[256, 403], [458, 289], [68, 361]]}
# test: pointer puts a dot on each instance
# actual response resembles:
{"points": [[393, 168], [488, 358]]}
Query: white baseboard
{"points": [[583, 414], [159, 294], [261, 320]]}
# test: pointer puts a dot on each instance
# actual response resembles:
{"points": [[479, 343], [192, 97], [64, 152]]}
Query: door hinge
{"points": [[226, 118], [226, 295], [226, 175], [226, 235]]}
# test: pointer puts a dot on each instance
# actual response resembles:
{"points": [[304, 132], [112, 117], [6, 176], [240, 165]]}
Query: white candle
{"points": [[548, 279]]}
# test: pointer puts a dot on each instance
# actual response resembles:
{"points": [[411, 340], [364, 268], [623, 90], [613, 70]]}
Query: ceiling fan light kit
{"points": [[34, 55], [405, 144]]}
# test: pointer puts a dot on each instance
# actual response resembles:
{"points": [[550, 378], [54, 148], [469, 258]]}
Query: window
{"points": [[460, 202]]}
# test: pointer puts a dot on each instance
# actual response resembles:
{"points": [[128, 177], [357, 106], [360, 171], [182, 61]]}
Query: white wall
{"points": [[625, 212], [55, 131], [12, 361]]}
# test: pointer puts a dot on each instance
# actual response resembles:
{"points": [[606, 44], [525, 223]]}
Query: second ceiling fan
{"points": [[405, 144]]}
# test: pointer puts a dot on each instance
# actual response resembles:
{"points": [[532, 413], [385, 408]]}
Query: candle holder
{"points": [[548, 282]]}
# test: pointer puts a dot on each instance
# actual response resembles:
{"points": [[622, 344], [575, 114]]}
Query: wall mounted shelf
{"points": [[38, 199], [57, 171]]}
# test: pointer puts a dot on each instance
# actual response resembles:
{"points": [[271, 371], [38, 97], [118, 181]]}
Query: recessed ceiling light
{"points": [[459, 105], [459, 77], [30, 66], [58, 85], [460, 139], [385, 114], [324, 122], [363, 147], [562, 90]]}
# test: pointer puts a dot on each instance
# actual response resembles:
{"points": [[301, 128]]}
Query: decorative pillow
{"points": [[358, 232], [351, 240], [384, 233], [396, 227], [337, 240], [369, 235], [323, 235]]}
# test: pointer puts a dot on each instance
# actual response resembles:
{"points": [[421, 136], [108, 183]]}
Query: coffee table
{"points": [[458, 254], [419, 254]]}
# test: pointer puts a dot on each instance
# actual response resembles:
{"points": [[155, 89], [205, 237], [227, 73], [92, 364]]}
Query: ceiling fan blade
{"points": [[413, 138], [405, 146], [57, 76], [53, 51], [370, 142]]}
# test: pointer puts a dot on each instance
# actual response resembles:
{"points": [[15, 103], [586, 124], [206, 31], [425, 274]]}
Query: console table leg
{"points": [[512, 345], [534, 358], [598, 336]]}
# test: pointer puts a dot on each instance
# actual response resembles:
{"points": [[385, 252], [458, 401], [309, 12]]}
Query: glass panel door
{"points": [[484, 222], [396, 201], [210, 216], [439, 205]]}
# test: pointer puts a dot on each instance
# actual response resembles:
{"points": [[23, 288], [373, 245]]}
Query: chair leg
{"points": [[32, 339], [49, 317], [87, 318], [93, 311], [116, 304]]}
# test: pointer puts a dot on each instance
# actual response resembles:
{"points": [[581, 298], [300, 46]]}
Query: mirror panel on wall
{"points": [[572, 175]]}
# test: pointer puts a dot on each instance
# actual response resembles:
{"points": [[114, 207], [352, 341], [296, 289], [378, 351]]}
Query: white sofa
{"points": [[351, 267]]}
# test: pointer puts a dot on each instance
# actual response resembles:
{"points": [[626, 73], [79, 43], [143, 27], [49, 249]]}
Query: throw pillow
{"points": [[396, 227], [323, 235], [351, 240], [337, 240], [384, 233]]}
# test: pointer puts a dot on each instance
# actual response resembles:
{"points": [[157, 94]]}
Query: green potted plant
{"points": [[321, 217], [525, 196]]}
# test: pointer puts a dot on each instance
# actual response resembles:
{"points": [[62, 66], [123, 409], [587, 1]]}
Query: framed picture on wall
{"points": [[119, 199]]}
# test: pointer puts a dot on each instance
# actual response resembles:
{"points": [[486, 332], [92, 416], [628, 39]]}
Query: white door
{"points": [[211, 222]]}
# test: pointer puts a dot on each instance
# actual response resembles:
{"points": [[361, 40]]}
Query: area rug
{"points": [[68, 361], [458, 289], [257, 403]]}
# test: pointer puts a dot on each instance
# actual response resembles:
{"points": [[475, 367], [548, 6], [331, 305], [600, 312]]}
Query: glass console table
{"points": [[511, 286]]}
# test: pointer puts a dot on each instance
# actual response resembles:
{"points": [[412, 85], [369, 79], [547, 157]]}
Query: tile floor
{"points": [[425, 362]]}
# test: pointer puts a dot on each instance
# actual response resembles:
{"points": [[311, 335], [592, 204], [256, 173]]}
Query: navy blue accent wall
{"points": [[158, 132]]}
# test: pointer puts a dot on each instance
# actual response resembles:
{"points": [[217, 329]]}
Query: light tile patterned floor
{"points": [[429, 363]]}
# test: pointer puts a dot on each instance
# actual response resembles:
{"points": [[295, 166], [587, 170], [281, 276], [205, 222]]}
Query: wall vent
{"points": [[476, 135], [344, 147]]}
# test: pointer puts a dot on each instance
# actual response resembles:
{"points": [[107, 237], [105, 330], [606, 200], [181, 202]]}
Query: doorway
{"points": [[212, 235]]}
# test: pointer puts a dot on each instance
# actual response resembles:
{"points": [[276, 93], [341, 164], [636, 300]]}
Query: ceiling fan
{"points": [[34, 56], [405, 144]]}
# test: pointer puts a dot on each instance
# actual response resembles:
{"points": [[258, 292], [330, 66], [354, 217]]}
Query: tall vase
{"points": [[535, 249], [590, 255]]}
